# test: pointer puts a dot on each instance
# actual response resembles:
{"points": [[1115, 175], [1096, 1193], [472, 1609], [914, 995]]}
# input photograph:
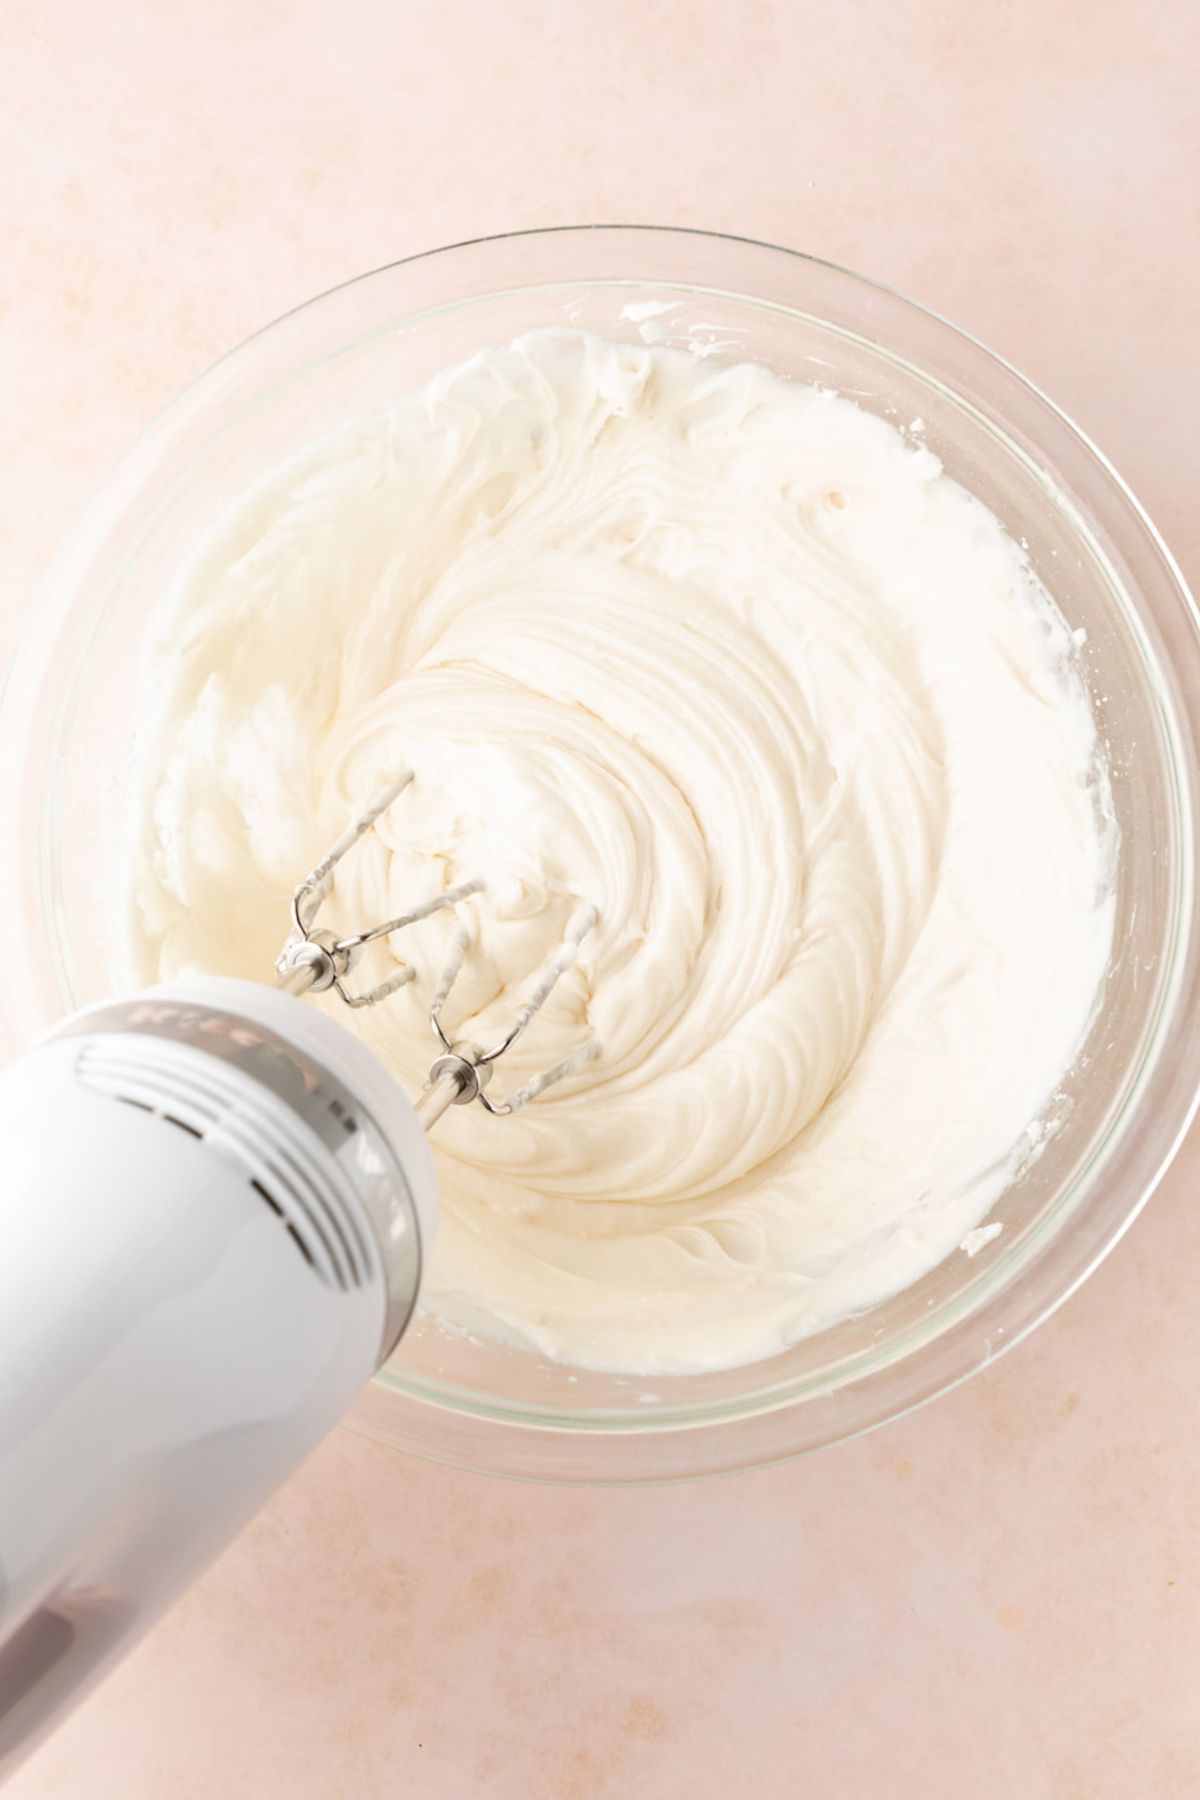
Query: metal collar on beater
{"points": [[314, 960]]}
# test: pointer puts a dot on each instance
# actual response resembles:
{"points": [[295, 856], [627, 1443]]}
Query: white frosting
{"points": [[727, 657]]}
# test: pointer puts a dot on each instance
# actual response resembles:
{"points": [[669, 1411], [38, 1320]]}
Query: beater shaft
{"points": [[437, 1098]]}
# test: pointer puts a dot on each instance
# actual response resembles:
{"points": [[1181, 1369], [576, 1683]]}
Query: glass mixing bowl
{"points": [[70, 703]]}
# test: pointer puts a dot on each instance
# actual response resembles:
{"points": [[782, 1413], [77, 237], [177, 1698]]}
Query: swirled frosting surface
{"points": [[736, 662]]}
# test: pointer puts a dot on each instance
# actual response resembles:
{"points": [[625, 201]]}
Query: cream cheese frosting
{"points": [[734, 661]]}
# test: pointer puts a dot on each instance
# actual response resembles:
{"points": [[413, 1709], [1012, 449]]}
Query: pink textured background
{"points": [[999, 1598]]}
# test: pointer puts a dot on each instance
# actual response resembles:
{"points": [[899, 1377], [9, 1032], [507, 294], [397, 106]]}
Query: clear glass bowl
{"points": [[65, 738]]}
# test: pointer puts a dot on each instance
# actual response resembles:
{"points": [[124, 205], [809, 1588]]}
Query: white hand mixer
{"points": [[216, 1208]]}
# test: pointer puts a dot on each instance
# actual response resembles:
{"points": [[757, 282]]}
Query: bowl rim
{"points": [[545, 1443]]}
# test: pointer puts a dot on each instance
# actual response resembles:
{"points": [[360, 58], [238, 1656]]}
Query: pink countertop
{"points": [[998, 1598]]}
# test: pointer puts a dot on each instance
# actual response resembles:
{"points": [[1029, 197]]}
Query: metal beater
{"points": [[315, 959]]}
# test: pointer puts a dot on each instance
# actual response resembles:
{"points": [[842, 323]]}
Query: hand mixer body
{"points": [[213, 1208]]}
